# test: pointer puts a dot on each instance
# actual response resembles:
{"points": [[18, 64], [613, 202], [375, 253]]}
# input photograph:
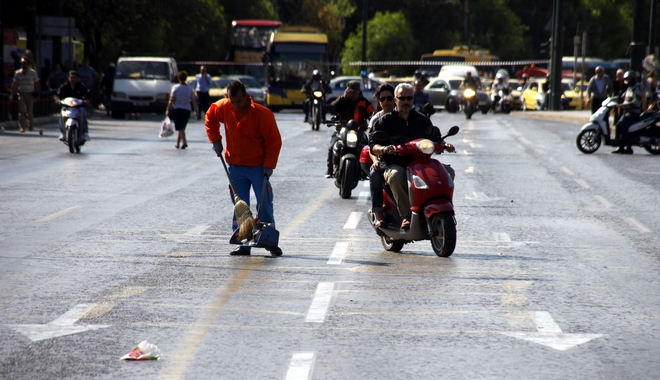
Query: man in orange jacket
{"points": [[253, 147]]}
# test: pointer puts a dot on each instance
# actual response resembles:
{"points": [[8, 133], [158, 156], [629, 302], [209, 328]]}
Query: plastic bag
{"points": [[166, 128], [143, 351]]}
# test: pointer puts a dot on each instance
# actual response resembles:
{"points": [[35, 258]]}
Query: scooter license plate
{"points": [[140, 104]]}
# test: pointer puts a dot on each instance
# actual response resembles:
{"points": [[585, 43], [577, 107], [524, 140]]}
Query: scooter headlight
{"points": [[318, 94], [469, 93], [351, 139], [426, 146], [419, 182]]}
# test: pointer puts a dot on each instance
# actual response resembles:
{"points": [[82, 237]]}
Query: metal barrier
{"points": [[44, 105]]}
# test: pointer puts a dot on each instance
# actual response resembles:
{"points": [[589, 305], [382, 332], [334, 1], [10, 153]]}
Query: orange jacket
{"points": [[252, 141]]}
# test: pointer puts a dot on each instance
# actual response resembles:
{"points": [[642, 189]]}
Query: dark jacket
{"points": [[401, 131], [358, 111], [66, 91]]}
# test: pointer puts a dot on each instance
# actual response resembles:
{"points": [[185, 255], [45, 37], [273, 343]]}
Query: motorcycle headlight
{"points": [[351, 139], [318, 94], [426, 146], [469, 93], [419, 182]]}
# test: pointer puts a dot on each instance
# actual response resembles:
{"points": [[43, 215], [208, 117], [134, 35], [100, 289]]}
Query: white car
{"points": [[338, 85]]}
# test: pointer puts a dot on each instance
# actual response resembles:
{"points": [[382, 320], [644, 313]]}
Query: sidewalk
{"points": [[570, 116], [12, 125]]}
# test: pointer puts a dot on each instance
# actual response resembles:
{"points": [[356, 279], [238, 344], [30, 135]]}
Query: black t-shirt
{"points": [[401, 131], [78, 92]]}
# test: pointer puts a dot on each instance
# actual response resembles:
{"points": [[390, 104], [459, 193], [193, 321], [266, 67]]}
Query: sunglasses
{"points": [[388, 98], [405, 98]]}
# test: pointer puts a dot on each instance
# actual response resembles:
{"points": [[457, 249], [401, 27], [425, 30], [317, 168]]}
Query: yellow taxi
{"points": [[532, 95]]}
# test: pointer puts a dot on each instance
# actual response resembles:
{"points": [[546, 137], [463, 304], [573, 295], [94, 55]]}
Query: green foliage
{"points": [[389, 38], [493, 25]]}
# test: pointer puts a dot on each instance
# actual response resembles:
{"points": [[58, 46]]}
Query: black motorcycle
{"points": [[425, 109], [316, 110], [351, 138], [470, 102]]}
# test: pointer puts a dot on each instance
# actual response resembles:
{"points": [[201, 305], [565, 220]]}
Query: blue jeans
{"points": [[245, 177], [376, 181]]}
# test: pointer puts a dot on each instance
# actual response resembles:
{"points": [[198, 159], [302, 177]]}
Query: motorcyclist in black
{"points": [[632, 106], [350, 106], [470, 82], [73, 89], [314, 83]]}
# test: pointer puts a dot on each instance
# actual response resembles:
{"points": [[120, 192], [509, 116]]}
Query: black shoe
{"points": [[619, 150], [240, 251], [275, 251], [328, 174], [184, 146], [628, 150]]}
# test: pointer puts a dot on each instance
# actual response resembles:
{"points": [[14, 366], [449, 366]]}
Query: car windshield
{"points": [[567, 86], [249, 82], [142, 70], [221, 83], [455, 83]]}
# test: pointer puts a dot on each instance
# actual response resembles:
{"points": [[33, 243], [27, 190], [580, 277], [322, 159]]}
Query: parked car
{"points": [[445, 94], [532, 96], [395, 81], [516, 94], [338, 86], [219, 85]]}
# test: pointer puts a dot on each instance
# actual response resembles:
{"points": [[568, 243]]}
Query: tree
{"points": [[493, 25], [389, 38]]}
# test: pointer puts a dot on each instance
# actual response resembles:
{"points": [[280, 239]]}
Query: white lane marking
{"points": [[515, 132], [2, 238], [353, 220], [366, 184], [540, 151], [64, 325], [637, 224], [467, 153], [583, 183], [163, 178], [470, 169], [195, 166], [467, 141], [501, 236], [338, 253], [472, 145], [363, 198], [549, 334], [197, 230], [59, 213], [320, 303], [545, 323], [118, 194], [300, 366], [567, 171], [604, 201], [524, 140], [481, 197], [552, 160]]}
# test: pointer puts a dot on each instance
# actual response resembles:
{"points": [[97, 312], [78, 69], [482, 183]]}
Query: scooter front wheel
{"points": [[653, 148], [72, 138], [588, 141], [443, 234], [391, 245]]}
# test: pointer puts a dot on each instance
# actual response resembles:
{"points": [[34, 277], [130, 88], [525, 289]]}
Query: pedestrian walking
{"points": [[26, 83], [182, 101], [107, 85], [203, 83], [252, 149], [598, 89]]}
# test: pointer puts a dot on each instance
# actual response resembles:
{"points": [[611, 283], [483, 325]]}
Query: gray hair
{"points": [[402, 86]]}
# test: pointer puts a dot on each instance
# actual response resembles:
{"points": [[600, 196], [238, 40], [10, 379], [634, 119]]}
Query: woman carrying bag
{"points": [[182, 102]]}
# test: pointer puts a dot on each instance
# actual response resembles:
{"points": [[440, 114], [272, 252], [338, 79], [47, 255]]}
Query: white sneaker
{"points": [[86, 136], [62, 138]]}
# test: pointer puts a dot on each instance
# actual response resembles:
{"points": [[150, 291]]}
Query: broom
{"points": [[244, 218]]}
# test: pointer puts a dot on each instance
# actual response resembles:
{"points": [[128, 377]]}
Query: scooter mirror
{"points": [[452, 131]]}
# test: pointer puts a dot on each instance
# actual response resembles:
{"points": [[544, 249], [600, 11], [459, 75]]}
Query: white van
{"points": [[457, 71], [142, 84]]}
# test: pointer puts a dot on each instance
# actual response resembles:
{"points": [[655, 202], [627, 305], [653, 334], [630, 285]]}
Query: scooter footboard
{"points": [[437, 205]]}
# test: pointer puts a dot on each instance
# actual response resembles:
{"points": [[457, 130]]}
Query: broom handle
{"points": [[261, 198], [231, 183]]}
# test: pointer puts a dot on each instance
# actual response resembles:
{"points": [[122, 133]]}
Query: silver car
{"points": [[445, 94], [338, 85]]}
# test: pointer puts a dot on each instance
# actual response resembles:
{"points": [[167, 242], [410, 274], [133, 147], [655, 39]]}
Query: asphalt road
{"points": [[554, 276]]}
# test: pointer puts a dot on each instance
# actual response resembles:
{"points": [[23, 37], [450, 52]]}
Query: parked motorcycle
{"points": [[346, 155], [469, 102], [645, 132], [431, 191], [72, 119], [502, 101]]}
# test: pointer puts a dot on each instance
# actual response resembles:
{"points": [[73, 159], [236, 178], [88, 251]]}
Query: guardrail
{"points": [[44, 105]]}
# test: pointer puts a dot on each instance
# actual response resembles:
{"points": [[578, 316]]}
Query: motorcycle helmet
{"points": [[629, 77], [316, 74], [499, 77], [352, 124]]}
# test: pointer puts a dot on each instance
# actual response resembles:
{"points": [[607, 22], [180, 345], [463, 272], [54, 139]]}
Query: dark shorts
{"points": [[180, 118]]}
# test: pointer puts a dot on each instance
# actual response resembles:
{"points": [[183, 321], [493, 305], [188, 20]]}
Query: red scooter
{"points": [[431, 192]]}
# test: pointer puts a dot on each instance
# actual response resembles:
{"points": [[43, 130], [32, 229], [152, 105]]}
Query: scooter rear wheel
{"points": [[391, 245], [653, 148], [443, 234], [588, 141]]}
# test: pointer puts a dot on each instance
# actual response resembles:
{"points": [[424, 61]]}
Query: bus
{"points": [[456, 54], [249, 41], [293, 52]]}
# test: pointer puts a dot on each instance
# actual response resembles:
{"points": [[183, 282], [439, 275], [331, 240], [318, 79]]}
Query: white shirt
{"points": [[183, 96]]}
